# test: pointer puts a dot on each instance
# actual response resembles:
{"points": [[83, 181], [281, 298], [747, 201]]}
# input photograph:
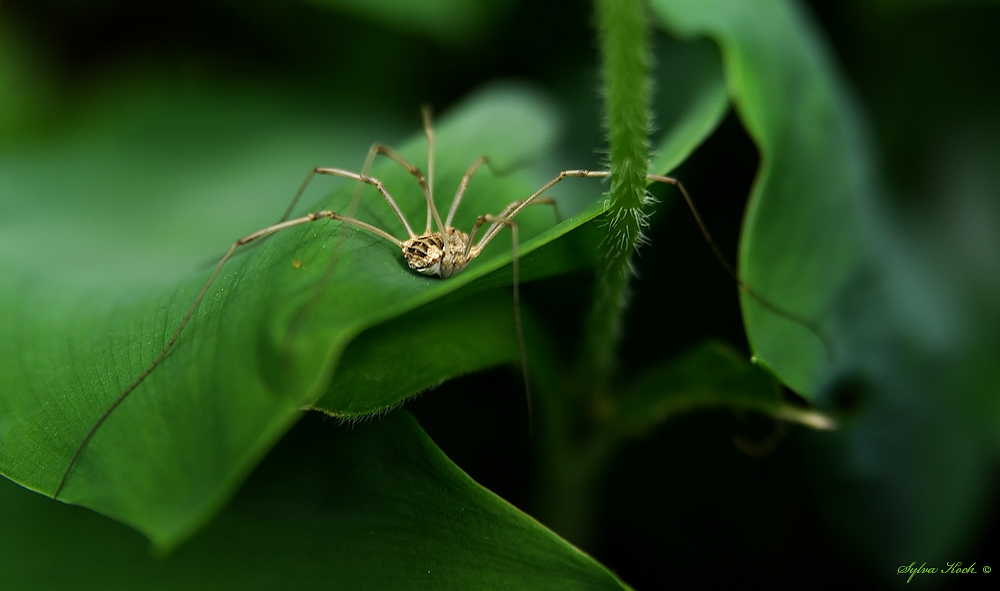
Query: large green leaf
{"points": [[251, 357], [801, 239], [373, 506], [710, 375], [85, 316], [690, 100], [424, 348], [905, 303]]}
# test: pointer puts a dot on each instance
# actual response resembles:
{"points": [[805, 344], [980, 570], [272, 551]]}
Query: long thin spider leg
{"points": [[248, 239], [432, 210], [701, 225], [515, 205], [499, 221], [374, 150], [495, 228], [413, 170], [504, 214], [462, 187], [425, 186], [800, 320], [370, 180], [518, 328], [812, 327], [465, 184], [426, 117]]}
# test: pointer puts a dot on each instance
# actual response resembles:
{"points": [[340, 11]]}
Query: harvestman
{"points": [[442, 253]]}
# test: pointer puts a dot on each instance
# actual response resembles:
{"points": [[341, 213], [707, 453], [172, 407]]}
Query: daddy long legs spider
{"points": [[442, 252]]}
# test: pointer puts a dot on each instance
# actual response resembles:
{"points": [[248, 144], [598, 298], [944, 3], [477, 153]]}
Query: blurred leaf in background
{"points": [[331, 507], [446, 21]]}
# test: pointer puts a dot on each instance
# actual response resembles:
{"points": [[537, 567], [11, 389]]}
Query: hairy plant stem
{"points": [[576, 450], [623, 35]]}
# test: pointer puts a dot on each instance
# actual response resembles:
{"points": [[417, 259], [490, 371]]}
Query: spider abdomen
{"points": [[427, 254]]}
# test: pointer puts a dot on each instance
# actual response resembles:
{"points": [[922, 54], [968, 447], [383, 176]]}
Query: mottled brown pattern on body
{"points": [[427, 254]]}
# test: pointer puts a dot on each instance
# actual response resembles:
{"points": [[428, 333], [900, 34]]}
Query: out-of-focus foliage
{"points": [[305, 519], [447, 21]]}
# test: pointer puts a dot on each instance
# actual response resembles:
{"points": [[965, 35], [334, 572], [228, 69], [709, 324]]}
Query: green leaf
{"points": [[904, 301], [374, 506], [689, 102], [423, 347], [711, 375], [87, 315], [801, 241]]}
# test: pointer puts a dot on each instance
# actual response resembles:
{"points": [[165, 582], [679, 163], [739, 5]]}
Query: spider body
{"points": [[427, 254], [442, 253]]}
